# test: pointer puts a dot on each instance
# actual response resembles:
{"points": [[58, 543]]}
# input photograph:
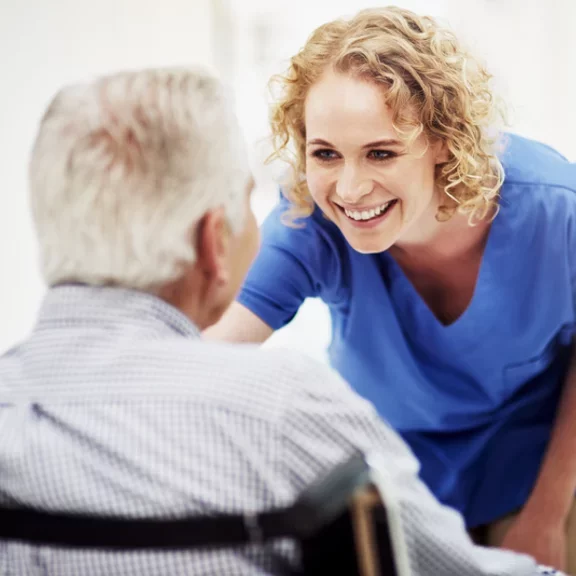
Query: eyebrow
{"points": [[375, 144]]}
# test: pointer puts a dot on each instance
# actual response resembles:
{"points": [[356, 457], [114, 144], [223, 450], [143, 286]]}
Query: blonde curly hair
{"points": [[433, 86]]}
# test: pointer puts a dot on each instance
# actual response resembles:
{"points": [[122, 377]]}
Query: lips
{"points": [[369, 214]]}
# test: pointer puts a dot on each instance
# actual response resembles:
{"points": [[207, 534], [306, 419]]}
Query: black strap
{"points": [[318, 506], [81, 531]]}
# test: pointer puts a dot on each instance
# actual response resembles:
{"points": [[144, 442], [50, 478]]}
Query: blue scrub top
{"points": [[475, 400]]}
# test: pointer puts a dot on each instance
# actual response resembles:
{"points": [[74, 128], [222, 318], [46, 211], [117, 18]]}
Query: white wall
{"points": [[43, 45], [530, 47]]}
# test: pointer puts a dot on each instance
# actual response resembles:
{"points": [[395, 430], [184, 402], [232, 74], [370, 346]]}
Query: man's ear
{"points": [[213, 246]]}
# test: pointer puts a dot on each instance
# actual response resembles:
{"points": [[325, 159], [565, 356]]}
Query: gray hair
{"points": [[124, 168]]}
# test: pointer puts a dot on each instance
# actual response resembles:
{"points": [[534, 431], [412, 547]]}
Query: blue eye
{"points": [[325, 155], [380, 154]]}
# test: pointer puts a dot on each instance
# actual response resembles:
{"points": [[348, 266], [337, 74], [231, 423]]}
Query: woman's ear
{"points": [[442, 154]]}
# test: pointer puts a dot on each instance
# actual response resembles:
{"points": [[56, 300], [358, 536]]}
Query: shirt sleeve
{"points": [[564, 218], [294, 263], [326, 422]]}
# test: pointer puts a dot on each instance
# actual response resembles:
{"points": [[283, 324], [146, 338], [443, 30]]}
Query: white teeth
{"points": [[366, 214]]}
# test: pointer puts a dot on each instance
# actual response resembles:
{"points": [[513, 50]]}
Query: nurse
{"points": [[447, 258]]}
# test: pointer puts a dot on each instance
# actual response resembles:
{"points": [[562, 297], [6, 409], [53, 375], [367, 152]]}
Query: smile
{"points": [[368, 215]]}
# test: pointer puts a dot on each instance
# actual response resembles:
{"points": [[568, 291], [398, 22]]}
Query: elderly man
{"points": [[114, 405]]}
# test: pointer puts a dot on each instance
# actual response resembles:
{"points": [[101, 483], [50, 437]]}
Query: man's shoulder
{"points": [[167, 367], [246, 370], [258, 363]]}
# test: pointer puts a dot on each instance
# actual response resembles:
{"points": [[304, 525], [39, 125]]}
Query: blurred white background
{"points": [[529, 46]]}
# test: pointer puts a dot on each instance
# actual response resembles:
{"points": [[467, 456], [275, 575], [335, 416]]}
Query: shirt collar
{"points": [[75, 303]]}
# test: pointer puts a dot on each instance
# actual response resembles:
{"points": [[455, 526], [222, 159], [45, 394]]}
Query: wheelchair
{"points": [[339, 524]]}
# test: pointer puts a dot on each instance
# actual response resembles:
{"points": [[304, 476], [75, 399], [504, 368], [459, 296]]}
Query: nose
{"points": [[353, 185]]}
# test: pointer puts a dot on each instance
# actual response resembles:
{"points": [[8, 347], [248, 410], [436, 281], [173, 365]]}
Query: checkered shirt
{"points": [[115, 405]]}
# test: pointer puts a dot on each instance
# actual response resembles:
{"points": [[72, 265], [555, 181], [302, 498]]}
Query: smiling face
{"points": [[358, 170]]}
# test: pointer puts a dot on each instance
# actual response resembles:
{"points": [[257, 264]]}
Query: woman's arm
{"points": [[556, 485], [294, 263], [238, 324], [540, 528]]}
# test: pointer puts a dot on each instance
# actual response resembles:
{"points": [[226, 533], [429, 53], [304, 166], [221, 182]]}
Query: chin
{"points": [[369, 246], [371, 240]]}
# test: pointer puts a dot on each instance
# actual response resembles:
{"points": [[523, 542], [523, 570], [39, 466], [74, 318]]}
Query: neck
{"points": [[188, 296], [442, 240]]}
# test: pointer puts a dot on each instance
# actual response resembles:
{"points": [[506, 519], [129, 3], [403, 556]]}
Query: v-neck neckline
{"points": [[478, 316]]}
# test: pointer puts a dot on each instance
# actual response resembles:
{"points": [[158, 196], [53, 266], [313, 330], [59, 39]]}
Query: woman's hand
{"points": [[537, 534]]}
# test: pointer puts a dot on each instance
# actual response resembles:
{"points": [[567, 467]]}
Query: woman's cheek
{"points": [[315, 185]]}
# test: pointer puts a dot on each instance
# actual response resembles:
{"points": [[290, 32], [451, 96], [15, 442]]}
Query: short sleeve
{"points": [[571, 251], [294, 263], [564, 218]]}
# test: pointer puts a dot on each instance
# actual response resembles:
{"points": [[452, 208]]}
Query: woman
{"points": [[447, 257]]}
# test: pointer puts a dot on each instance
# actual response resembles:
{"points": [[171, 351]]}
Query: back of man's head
{"points": [[124, 168]]}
